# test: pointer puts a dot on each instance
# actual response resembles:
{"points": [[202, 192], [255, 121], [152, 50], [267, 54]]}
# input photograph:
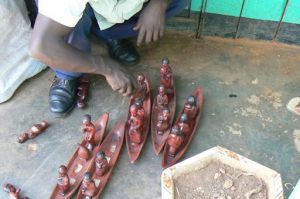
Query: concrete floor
{"points": [[255, 123]]}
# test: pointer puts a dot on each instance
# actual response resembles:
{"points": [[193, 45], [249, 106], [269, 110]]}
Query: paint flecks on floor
{"points": [[296, 136], [254, 99], [235, 129], [273, 98]]}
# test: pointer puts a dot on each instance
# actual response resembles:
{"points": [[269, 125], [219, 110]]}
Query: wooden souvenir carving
{"points": [[142, 87], [33, 132], [82, 160], [136, 126], [82, 94], [163, 121], [88, 130], [191, 125], [159, 128], [110, 148], [88, 187], [101, 163], [161, 98], [138, 120], [190, 107], [13, 192], [184, 124], [166, 76], [63, 181], [175, 140]]}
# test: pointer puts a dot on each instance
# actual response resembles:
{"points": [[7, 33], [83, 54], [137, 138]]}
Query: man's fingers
{"points": [[141, 36], [137, 26], [149, 35], [155, 35]]}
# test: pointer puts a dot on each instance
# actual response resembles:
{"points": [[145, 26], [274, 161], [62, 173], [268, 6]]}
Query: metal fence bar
{"points": [[189, 9], [281, 19], [239, 20], [201, 18]]}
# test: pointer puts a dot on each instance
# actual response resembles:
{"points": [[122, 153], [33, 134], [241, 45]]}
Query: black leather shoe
{"points": [[62, 96], [123, 51]]}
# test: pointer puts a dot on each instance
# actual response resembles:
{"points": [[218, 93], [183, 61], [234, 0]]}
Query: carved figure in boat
{"points": [[88, 186], [101, 163], [175, 140], [163, 122], [190, 107], [33, 132], [141, 87], [184, 125], [63, 180], [166, 76], [161, 98], [140, 108], [136, 126], [89, 131]]}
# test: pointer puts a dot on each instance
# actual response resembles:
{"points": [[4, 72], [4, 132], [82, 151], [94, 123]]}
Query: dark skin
{"points": [[48, 45]]}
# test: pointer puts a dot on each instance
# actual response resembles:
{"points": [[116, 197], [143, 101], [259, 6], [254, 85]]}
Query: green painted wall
{"points": [[254, 9]]}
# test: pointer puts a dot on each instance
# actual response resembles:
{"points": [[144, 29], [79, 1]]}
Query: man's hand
{"points": [[151, 22], [118, 77]]}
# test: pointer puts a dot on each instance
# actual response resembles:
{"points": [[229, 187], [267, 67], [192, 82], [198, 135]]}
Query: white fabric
{"points": [[107, 12], [15, 64]]}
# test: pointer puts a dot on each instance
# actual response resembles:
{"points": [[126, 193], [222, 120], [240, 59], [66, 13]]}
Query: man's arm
{"points": [[49, 46]]}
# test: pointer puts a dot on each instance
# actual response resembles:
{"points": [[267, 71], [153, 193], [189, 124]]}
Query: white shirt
{"points": [[107, 12]]}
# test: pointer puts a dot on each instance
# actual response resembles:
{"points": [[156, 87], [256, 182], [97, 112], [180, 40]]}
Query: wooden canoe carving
{"points": [[184, 129], [138, 119], [102, 167], [163, 108], [82, 159]]}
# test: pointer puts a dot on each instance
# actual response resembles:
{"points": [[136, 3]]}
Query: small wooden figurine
{"points": [[33, 132], [166, 76], [82, 94], [140, 108], [163, 122], [184, 125], [88, 188], [89, 131], [136, 125], [14, 193], [101, 163], [63, 181], [142, 88], [161, 98], [190, 107], [175, 140]]}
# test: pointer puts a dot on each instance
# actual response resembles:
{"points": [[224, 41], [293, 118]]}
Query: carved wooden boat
{"points": [[111, 146], [158, 141], [77, 166], [167, 160], [134, 150]]}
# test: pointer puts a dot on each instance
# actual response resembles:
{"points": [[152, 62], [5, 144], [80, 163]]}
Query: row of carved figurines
{"points": [[163, 123]]}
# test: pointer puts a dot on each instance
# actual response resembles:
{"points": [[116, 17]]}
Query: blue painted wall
{"points": [[254, 9]]}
